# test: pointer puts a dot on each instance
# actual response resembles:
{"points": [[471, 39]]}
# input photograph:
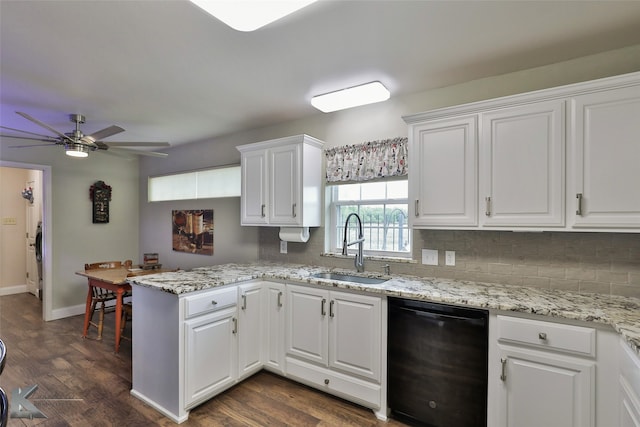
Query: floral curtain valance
{"points": [[371, 160]]}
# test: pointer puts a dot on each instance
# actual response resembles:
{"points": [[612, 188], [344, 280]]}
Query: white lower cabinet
{"points": [[274, 327], [629, 383], [335, 342], [550, 374], [250, 328], [210, 355]]}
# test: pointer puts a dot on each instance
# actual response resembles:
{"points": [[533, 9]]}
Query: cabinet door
{"points": [[607, 154], [254, 188], [307, 331], [545, 389], [284, 172], [210, 354], [522, 165], [443, 178], [249, 329], [355, 330], [274, 326]]}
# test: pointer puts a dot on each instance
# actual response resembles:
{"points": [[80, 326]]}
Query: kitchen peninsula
{"points": [[198, 332]]}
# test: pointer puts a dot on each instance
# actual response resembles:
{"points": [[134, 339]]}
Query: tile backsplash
{"points": [[605, 263]]}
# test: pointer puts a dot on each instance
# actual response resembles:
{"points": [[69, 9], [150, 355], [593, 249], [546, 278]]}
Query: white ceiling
{"points": [[167, 71]]}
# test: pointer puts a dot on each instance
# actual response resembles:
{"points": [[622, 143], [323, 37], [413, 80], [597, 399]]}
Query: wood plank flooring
{"points": [[82, 382]]}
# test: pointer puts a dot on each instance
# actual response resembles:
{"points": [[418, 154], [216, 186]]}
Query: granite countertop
{"points": [[622, 313]]}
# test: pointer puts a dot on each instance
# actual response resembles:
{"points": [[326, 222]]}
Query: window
{"points": [[202, 184], [383, 208]]}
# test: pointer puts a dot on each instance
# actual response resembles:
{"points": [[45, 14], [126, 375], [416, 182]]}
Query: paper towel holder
{"points": [[294, 234]]}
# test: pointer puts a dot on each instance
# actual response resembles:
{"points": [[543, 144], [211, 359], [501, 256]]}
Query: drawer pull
{"points": [[579, 202], [331, 308], [235, 326], [417, 208], [293, 210], [244, 302], [326, 381], [323, 310], [503, 374], [279, 299], [214, 302], [487, 201], [262, 214], [542, 336]]}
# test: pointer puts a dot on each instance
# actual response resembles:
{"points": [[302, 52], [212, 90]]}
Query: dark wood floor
{"points": [[81, 382]]}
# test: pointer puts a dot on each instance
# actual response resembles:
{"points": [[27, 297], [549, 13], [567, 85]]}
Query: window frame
{"points": [[332, 211]]}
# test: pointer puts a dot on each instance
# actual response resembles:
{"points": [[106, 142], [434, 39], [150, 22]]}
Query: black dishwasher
{"points": [[437, 364]]}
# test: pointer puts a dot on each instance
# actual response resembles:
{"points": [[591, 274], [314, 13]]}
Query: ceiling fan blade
{"points": [[104, 133], [24, 131], [45, 139], [141, 153], [137, 144], [44, 125], [31, 145]]}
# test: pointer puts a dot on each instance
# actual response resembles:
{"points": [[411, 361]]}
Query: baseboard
{"points": [[11, 290], [173, 417], [61, 313]]}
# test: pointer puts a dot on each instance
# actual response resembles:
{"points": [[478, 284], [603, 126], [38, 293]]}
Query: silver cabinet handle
{"points": [[579, 209], [293, 210], [487, 211], [542, 336], [244, 302], [503, 375], [235, 326], [323, 311], [331, 314], [279, 299], [262, 210], [417, 208], [214, 302]]}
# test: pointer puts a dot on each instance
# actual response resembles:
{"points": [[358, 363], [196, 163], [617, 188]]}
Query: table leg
{"points": [[119, 293], [87, 312]]}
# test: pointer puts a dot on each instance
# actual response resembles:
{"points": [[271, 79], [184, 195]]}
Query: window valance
{"points": [[364, 162]]}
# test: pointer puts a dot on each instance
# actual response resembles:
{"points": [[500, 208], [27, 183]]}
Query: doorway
{"points": [[35, 244]]}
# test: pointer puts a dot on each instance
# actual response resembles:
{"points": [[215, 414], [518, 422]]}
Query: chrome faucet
{"points": [[359, 260]]}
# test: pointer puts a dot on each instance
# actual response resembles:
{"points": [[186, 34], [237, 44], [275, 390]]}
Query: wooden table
{"points": [[115, 280]]}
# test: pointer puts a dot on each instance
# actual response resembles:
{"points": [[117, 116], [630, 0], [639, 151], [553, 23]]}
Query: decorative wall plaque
{"points": [[100, 195]]}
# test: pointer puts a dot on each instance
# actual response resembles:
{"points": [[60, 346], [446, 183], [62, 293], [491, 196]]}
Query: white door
{"points": [[274, 327], [443, 180], [522, 165], [254, 188], [250, 329], [355, 331], [33, 218], [548, 390], [307, 332], [284, 165], [211, 355], [607, 154]]}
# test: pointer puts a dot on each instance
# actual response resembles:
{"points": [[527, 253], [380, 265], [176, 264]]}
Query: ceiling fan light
{"points": [[249, 15], [356, 96], [76, 150]]}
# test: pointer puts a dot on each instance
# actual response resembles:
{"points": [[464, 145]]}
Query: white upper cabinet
{"points": [[558, 159], [442, 173], [606, 137], [522, 165], [281, 182]]}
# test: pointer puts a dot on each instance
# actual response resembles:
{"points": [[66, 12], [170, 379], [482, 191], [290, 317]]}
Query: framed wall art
{"points": [[192, 231]]}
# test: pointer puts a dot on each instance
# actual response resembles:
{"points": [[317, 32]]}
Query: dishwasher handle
{"points": [[480, 321]]}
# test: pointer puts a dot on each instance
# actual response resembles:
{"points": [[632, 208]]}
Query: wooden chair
{"points": [[102, 296]]}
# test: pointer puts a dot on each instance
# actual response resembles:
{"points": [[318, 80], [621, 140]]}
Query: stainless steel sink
{"points": [[349, 278]]}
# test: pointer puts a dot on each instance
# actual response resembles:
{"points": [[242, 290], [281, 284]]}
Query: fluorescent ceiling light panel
{"points": [[249, 15], [367, 93]]}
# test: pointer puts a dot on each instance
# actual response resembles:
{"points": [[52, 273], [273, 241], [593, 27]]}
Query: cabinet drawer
{"points": [[210, 301], [565, 338], [353, 389]]}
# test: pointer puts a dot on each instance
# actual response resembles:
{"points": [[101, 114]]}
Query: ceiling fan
{"points": [[77, 144]]}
